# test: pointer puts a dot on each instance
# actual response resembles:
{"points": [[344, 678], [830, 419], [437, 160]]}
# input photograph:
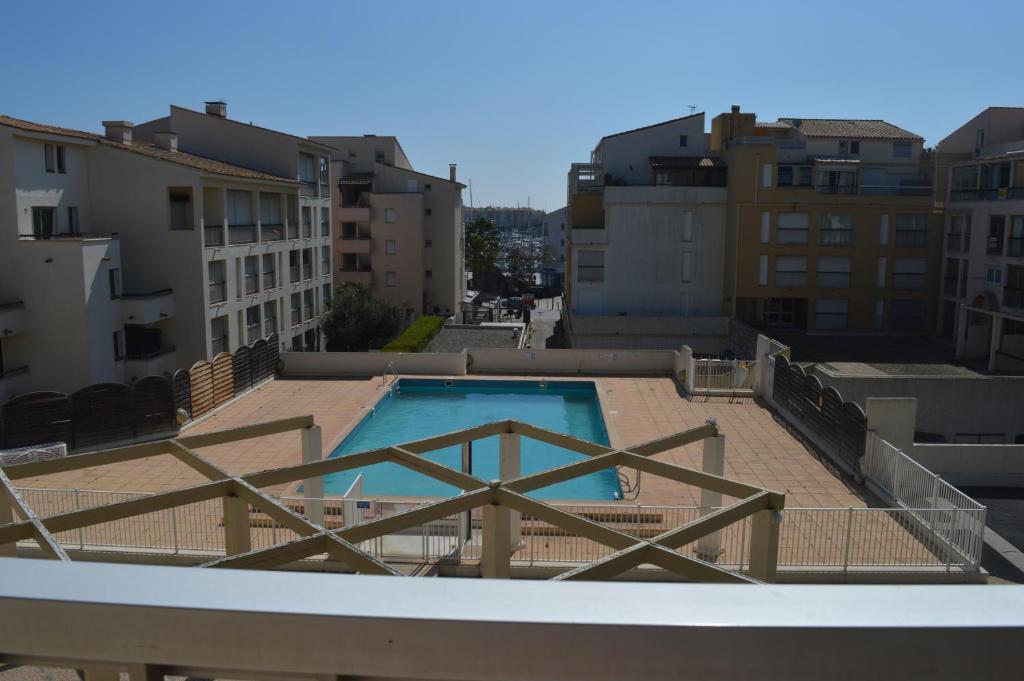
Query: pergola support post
{"points": [[496, 552], [764, 544], [237, 538], [313, 487], [709, 547], [509, 468]]}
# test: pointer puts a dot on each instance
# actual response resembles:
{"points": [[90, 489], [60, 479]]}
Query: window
{"points": [[307, 222], [307, 169], [901, 149], [994, 275], [427, 187], [426, 212], [251, 275], [831, 314], [762, 270], [378, 156], [412, 186], [979, 139], [216, 274], [269, 271], [253, 329], [270, 209], [879, 321], [239, 207], [687, 267], [118, 346], [389, 216], [912, 230], [833, 272], [180, 201], [837, 181], [954, 237], [390, 247], [1013, 292], [836, 229], [307, 263], [844, 147], [883, 231], [428, 274], [427, 243], [682, 140], [391, 278], [219, 335], [881, 271], [325, 296], [73, 225], [325, 222], [293, 266], [269, 317], [849, 148], [907, 315], [43, 220], [687, 227], [766, 227], [964, 266], [854, 148], [766, 175], [950, 279], [114, 277], [792, 228], [785, 177], [325, 259], [49, 158], [325, 178], [297, 343], [1015, 242], [590, 266], [61, 160], [778, 311], [996, 230], [296, 309], [307, 304], [908, 273], [791, 271]]}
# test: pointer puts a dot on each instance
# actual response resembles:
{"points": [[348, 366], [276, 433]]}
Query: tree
{"points": [[357, 322], [483, 245], [521, 266]]}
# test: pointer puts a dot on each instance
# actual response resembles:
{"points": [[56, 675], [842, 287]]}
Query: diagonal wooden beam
{"points": [[47, 544], [576, 469], [415, 516], [713, 522], [559, 439], [64, 464], [694, 568], [16, 532], [277, 511], [571, 522], [689, 476], [217, 437], [663, 444], [281, 554], [279, 476], [457, 437], [609, 566], [196, 462], [419, 464]]}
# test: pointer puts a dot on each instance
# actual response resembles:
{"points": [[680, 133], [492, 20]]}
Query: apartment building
{"points": [[646, 227], [981, 176], [508, 219], [396, 229], [124, 254], [831, 225], [553, 254]]}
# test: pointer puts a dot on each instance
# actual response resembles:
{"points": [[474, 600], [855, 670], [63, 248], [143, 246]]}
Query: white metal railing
{"points": [[826, 539], [956, 519], [722, 375]]}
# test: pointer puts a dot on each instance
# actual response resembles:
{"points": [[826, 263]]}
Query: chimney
{"points": [[218, 109], [166, 140], [118, 131], [735, 109], [451, 172]]}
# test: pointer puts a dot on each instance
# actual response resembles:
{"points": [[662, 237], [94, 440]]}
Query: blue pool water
{"points": [[421, 408]]}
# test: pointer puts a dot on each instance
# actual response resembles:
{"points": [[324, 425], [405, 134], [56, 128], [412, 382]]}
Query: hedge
{"points": [[417, 336]]}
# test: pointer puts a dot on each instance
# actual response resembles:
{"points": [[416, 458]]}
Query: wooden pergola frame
{"points": [[501, 500]]}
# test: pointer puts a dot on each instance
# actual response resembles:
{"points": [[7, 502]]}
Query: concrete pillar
{"points": [[509, 468], [682, 366], [764, 544], [7, 516], [893, 419], [995, 343], [761, 355], [237, 538], [313, 488], [710, 546], [465, 528], [496, 551], [961, 331]]}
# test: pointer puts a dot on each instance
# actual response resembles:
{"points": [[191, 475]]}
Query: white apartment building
{"points": [[982, 301], [125, 255], [554, 237], [647, 225], [396, 229]]}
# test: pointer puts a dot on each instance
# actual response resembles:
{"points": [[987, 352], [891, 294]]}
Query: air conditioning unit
{"points": [[31, 454]]}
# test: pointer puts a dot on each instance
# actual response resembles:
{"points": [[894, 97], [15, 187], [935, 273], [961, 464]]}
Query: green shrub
{"points": [[417, 336]]}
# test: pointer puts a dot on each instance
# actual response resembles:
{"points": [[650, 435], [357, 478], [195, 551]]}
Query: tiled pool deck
{"points": [[758, 449]]}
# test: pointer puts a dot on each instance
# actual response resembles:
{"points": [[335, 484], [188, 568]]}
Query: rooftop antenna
{"points": [[470, 192], [691, 107]]}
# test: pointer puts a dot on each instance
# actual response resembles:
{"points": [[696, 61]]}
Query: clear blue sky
{"points": [[512, 91]]}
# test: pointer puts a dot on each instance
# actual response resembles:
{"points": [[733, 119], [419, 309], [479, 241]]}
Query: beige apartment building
{"points": [[831, 225], [128, 253], [396, 230]]}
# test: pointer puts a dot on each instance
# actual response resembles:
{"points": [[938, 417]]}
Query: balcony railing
{"points": [[213, 235], [907, 281], [293, 274], [219, 345], [307, 271], [307, 188], [241, 234], [218, 292], [586, 177], [355, 236], [356, 268], [269, 280], [270, 325], [307, 312], [836, 189], [833, 279], [994, 244], [895, 190], [296, 316], [911, 238], [1015, 246], [293, 229], [790, 279], [272, 232], [325, 229], [251, 284], [325, 191], [835, 237], [150, 355], [1013, 296]]}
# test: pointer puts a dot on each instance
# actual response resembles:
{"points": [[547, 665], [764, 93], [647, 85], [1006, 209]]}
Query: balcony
{"points": [[14, 381], [293, 229], [163, 362], [218, 292], [271, 232], [307, 270], [147, 308], [269, 280], [895, 190], [833, 279], [241, 234], [69, 236], [358, 245], [213, 235], [354, 276], [307, 189], [585, 178], [296, 316], [835, 237], [12, 318], [353, 213], [836, 189], [251, 283]]}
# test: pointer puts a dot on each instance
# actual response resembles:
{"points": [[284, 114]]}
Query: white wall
{"points": [[562, 362], [627, 157], [372, 363]]}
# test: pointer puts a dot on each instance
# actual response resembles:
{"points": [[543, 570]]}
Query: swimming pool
{"points": [[419, 408]]}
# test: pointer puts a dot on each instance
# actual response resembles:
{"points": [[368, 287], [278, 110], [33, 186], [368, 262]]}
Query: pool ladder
{"points": [[390, 371]]}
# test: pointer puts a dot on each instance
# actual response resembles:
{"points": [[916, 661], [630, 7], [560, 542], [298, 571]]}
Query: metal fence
{"points": [[956, 520], [723, 374], [824, 539]]}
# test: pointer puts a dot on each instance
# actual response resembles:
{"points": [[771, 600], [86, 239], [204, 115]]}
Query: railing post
{"points": [[849, 531], [237, 538], [509, 468], [81, 531], [174, 528], [764, 544], [313, 487], [497, 548], [709, 547], [465, 528]]}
